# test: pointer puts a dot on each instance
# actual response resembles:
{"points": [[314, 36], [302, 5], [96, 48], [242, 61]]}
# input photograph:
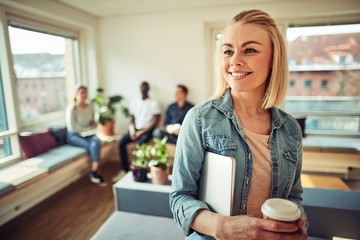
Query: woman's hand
{"points": [[247, 227]]}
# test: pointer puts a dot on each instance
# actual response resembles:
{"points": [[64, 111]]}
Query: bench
{"points": [[30, 181]]}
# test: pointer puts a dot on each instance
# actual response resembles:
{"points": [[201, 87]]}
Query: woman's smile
{"points": [[239, 75]]}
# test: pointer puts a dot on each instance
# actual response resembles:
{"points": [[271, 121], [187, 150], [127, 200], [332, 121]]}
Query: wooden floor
{"points": [[76, 212]]}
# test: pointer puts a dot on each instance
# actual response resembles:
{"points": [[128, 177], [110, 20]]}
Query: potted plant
{"points": [[106, 109], [139, 165], [159, 161]]}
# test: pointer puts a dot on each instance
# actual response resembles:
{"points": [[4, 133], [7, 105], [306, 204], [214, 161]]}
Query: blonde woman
{"points": [[81, 128], [243, 122]]}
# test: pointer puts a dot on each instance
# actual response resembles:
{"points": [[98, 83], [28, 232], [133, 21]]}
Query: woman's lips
{"points": [[238, 74]]}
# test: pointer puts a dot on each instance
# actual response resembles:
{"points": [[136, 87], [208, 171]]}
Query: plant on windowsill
{"points": [[139, 165], [159, 162], [106, 110]]}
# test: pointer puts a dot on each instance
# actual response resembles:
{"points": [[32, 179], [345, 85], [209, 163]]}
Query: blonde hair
{"points": [[277, 80]]}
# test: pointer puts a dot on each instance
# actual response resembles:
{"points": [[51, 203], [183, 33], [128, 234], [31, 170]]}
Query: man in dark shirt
{"points": [[175, 116]]}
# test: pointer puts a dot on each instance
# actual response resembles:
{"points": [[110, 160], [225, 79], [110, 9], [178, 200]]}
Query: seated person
{"points": [[175, 115], [81, 127], [145, 115]]}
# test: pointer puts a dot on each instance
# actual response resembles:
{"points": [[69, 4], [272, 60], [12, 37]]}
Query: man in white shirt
{"points": [[145, 115]]}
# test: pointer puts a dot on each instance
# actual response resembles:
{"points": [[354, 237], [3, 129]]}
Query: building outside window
{"points": [[44, 62], [326, 59], [46, 65]]}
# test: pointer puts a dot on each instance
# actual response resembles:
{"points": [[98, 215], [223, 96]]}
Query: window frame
{"points": [[326, 21], [41, 24], [211, 29], [54, 118]]}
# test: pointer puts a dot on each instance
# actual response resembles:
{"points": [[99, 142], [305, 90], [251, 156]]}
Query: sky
{"points": [[25, 41], [293, 33]]}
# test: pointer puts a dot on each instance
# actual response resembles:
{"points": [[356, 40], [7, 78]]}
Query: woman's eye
{"points": [[250, 50], [227, 52]]}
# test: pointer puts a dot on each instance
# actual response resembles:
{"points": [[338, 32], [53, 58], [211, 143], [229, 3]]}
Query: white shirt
{"points": [[143, 111]]}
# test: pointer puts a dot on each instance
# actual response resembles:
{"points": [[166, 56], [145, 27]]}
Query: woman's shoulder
{"points": [[70, 108], [281, 114], [202, 108], [285, 119]]}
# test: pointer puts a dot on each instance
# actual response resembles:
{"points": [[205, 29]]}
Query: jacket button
{"points": [[275, 164], [275, 188]]}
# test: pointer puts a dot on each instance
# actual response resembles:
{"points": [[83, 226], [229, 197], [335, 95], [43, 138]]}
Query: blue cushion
{"points": [[120, 225], [59, 157], [5, 188], [69, 151]]}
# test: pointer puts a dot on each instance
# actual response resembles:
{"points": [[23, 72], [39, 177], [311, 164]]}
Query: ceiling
{"points": [[108, 8]]}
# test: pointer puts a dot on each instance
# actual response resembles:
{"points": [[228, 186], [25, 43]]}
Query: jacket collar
{"points": [[224, 104]]}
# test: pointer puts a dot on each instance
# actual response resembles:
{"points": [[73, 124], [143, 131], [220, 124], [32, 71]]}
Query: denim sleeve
{"points": [[297, 190], [188, 161]]}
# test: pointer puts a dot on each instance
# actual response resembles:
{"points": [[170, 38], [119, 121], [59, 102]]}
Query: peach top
{"points": [[260, 186]]}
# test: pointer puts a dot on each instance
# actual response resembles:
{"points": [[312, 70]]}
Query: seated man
{"points": [[175, 115], [145, 114]]}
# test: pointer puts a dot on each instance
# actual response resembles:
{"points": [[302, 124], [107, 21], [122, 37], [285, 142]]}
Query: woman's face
{"points": [[246, 57], [82, 94]]}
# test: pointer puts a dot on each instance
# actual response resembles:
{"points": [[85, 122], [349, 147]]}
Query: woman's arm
{"points": [[70, 119], [188, 160]]}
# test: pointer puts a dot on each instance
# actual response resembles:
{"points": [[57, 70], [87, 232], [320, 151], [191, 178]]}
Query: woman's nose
{"points": [[237, 59]]}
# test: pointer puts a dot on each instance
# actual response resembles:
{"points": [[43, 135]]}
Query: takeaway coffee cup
{"points": [[280, 210]]}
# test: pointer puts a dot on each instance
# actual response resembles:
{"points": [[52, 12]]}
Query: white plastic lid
{"points": [[281, 209]]}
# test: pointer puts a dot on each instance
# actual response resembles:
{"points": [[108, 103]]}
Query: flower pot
{"points": [[159, 176], [139, 173], [108, 128]]}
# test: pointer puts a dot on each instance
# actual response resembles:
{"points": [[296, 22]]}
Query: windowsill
{"points": [[331, 144], [9, 160]]}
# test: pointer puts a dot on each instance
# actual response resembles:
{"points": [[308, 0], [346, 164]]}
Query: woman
{"points": [[81, 131], [241, 121]]}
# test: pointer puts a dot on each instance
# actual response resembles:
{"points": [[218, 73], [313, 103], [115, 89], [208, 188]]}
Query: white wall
{"points": [[168, 48]]}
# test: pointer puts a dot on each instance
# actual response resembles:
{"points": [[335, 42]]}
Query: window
{"points": [[5, 148], [44, 76], [324, 84], [308, 84], [292, 84], [326, 59], [43, 64]]}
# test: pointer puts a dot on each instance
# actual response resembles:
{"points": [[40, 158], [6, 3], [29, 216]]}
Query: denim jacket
{"points": [[214, 126]]}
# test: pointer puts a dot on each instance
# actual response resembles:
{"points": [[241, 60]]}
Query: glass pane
{"points": [[340, 125], [3, 117], [44, 66], [324, 64], [5, 149]]}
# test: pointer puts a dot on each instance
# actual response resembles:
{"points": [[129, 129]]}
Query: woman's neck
{"points": [[248, 108], [248, 103], [81, 104]]}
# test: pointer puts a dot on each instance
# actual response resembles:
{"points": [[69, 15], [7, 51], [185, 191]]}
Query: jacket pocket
{"points": [[220, 144], [291, 155]]}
